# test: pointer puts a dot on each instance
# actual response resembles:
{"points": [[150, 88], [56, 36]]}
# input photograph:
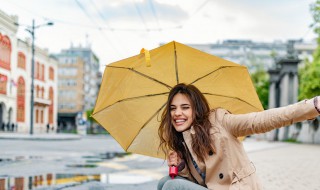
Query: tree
{"points": [[309, 75], [90, 119], [260, 79]]}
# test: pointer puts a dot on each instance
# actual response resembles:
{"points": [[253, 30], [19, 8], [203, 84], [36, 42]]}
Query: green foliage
{"points": [[309, 79], [309, 75], [291, 141], [260, 79], [89, 113]]}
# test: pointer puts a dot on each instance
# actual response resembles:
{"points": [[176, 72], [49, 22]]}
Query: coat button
{"points": [[210, 153], [221, 175]]}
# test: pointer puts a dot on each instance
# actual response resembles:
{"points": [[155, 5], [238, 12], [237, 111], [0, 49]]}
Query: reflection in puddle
{"points": [[82, 165], [66, 180], [58, 181], [19, 158]]}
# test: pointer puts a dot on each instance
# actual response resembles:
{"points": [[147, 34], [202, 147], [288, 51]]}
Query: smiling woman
{"points": [[181, 112], [204, 143]]}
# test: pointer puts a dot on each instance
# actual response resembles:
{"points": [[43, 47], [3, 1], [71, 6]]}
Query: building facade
{"points": [[79, 82], [15, 82]]}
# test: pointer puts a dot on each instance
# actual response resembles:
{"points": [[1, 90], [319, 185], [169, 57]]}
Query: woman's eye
{"points": [[185, 108], [172, 109]]}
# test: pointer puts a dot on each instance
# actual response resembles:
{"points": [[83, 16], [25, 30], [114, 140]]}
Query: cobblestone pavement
{"points": [[291, 167]]}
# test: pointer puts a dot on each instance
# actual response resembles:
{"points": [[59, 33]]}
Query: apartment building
{"points": [[79, 81]]}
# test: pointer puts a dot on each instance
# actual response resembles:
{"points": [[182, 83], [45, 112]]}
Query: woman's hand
{"points": [[173, 158]]}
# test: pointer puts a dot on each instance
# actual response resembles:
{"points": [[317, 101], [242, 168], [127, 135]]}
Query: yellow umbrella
{"points": [[134, 91]]}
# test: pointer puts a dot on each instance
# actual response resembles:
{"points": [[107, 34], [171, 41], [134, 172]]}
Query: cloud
{"points": [[137, 13]]}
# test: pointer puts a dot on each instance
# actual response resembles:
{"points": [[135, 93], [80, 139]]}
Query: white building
{"points": [[15, 82]]}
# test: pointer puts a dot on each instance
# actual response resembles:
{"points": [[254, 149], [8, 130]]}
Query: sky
{"points": [[116, 29]]}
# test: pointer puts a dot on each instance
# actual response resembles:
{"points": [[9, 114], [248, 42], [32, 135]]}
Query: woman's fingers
{"points": [[173, 159]]}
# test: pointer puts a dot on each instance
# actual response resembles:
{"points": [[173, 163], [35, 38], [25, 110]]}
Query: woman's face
{"points": [[181, 112]]}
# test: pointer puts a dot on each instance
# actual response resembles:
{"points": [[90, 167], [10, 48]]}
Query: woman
{"points": [[203, 143]]}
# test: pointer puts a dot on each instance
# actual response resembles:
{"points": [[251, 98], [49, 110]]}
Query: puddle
{"points": [[82, 165], [107, 156], [4, 160], [54, 181]]}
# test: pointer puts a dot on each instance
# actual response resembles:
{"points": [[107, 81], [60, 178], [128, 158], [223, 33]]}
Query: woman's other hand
{"points": [[173, 159]]}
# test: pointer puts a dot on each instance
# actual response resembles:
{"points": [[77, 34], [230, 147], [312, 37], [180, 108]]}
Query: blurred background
{"points": [[52, 58]]}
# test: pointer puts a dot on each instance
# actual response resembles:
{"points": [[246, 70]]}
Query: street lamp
{"points": [[31, 30]]}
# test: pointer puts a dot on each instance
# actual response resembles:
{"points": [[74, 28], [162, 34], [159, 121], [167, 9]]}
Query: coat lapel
{"points": [[187, 144]]}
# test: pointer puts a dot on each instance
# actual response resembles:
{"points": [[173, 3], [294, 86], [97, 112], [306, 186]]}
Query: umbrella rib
{"points": [[223, 67], [132, 98], [176, 62], [229, 97], [144, 75]]}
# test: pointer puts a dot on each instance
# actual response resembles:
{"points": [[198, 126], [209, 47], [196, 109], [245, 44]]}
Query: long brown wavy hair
{"points": [[170, 139]]}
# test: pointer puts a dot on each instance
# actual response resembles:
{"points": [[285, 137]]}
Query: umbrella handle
{"points": [[173, 171]]}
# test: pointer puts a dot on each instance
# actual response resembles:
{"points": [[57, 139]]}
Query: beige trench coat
{"points": [[229, 168]]}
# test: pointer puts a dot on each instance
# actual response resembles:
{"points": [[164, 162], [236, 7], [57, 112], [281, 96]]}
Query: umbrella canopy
{"points": [[134, 92]]}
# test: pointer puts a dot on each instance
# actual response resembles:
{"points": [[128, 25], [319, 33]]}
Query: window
{"points": [[42, 72], [41, 116], [3, 84], [37, 70], [21, 60], [51, 73], [42, 92], [5, 52], [21, 100], [37, 91], [37, 116], [50, 116]]}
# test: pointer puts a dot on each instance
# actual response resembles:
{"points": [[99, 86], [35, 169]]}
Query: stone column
{"points": [[273, 91], [289, 88]]}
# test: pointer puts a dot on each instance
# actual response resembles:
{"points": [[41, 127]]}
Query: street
{"points": [[98, 162]]}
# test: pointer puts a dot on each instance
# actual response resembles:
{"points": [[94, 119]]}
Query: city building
{"points": [[15, 82], [256, 54], [79, 82]]}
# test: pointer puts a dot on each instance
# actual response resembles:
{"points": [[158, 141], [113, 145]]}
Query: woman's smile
{"points": [[181, 112]]}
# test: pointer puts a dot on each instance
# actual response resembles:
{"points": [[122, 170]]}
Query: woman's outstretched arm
{"points": [[261, 122]]}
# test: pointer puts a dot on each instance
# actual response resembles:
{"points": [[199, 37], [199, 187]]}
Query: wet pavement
{"points": [[98, 162]]}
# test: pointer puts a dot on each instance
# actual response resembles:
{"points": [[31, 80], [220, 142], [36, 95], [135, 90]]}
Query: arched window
{"points": [[37, 116], [51, 97], [37, 91], [51, 73], [3, 84], [42, 72], [21, 100], [37, 69], [21, 60], [5, 52], [42, 92], [41, 116]]}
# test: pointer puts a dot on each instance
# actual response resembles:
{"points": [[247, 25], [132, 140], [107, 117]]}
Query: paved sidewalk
{"points": [[44, 136], [291, 167]]}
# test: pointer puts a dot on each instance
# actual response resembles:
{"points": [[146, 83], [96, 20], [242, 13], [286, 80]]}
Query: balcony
{"points": [[42, 102]]}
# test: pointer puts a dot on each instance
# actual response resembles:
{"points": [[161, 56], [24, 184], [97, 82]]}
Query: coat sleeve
{"points": [[261, 122]]}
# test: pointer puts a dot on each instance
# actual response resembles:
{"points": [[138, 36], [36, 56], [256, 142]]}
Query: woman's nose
{"points": [[177, 112]]}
